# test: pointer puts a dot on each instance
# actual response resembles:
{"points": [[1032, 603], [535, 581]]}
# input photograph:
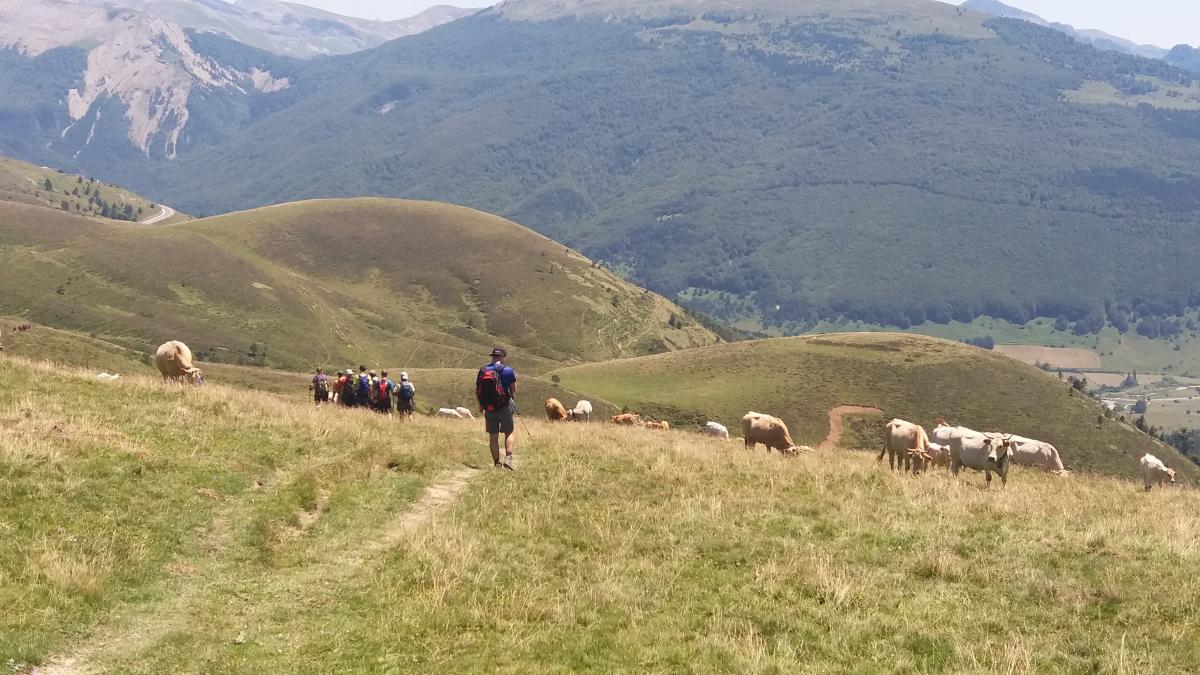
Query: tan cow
{"points": [[770, 431], [627, 419], [1154, 472], [939, 454], [659, 426], [174, 361], [899, 438], [555, 411]]}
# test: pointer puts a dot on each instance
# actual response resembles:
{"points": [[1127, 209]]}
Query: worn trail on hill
{"points": [[150, 624], [836, 425]]}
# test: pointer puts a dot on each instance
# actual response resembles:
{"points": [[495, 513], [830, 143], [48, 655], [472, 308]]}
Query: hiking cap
{"points": [[404, 375], [500, 351], [371, 373]]}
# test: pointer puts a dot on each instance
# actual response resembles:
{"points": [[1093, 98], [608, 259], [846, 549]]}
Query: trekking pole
{"points": [[513, 403]]}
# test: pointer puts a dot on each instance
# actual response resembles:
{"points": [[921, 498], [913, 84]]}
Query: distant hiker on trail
{"points": [[406, 395], [349, 388], [320, 387], [495, 387], [383, 388], [362, 390]]}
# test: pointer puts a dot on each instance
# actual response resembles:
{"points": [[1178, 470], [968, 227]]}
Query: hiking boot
{"points": [[508, 462]]}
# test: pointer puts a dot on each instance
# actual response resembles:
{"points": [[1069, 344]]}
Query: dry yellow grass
{"points": [[609, 549]]}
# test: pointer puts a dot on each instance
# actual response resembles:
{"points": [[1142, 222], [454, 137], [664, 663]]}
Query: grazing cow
{"points": [[555, 412], [919, 459], [105, 377], [900, 437], [452, 413], [1028, 452], [464, 413], [659, 426], [1154, 472], [770, 431], [716, 430], [174, 361], [582, 412], [939, 455], [983, 452], [627, 419]]}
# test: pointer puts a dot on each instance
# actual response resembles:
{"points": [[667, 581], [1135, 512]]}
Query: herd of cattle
{"points": [[908, 446]]}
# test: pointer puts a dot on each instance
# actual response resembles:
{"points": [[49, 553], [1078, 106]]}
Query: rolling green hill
{"points": [[28, 184], [334, 283], [151, 528], [912, 377], [879, 160]]}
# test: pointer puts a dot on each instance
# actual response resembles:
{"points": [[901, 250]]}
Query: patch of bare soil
{"points": [[836, 426]]}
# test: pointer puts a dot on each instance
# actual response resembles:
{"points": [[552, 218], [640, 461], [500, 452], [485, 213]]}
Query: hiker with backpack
{"points": [[495, 387], [362, 389], [406, 395], [349, 388], [320, 387], [383, 388]]}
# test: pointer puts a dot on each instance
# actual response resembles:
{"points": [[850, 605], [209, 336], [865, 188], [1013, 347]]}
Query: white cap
{"points": [[404, 375]]}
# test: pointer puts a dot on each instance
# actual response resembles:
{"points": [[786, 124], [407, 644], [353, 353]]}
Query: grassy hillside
{"points": [[29, 184], [907, 376], [262, 536], [379, 282]]}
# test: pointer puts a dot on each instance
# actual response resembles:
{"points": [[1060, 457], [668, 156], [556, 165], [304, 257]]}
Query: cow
{"points": [[983, 452], [1154, 472], [1029, 452], [174, 361], [106, 377], [659, 426], [768, 430], [716, 430], [939, 454], [451, 413], [464, 413], [582, 412], [900, 437], [555, 412], [627, 419]]}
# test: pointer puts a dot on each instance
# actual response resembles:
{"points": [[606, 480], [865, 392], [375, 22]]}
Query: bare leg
{"points": [[494, 444]]}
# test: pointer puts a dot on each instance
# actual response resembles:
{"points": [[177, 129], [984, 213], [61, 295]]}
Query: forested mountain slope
{"points": [[878, 160]]}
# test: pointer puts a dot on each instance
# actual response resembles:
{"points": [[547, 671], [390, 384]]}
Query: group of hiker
{"points": [[495, 389], [367, 389]]}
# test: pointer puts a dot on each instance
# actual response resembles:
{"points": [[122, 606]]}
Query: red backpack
{"points": [[489, 389], [384, 391]]}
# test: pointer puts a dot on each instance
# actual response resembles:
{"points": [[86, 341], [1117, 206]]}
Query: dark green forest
{"points": [[809, 168]]}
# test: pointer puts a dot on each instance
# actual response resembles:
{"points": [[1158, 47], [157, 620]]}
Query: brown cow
{"points": [[659, 426], [770, 431], [555, 412], [899, 438], [627, 419], [174, 360]]}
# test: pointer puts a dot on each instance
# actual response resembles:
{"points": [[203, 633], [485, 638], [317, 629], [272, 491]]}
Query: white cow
{"points": [[1154, 472], [1030, 452], [582, 412], [106, 377], [449, 412], [464, 413], [716, 430], [983, 452], [939, 454]]}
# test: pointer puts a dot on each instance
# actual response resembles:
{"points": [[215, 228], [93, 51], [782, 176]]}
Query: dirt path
{"points": [[836, 426], [151, 624]]}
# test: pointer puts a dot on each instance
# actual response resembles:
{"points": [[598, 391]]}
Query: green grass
{"points": [[26, 184], [385, 283], [118, 495], [907, 376], [619, 550]]}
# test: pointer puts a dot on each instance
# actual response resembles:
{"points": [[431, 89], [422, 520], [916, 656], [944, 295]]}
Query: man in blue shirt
{"points": [[495, 387]]}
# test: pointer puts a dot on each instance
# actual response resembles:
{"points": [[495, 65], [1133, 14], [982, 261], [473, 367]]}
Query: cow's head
{"points": [[194, 375], [998, 448], [1170, 474]]}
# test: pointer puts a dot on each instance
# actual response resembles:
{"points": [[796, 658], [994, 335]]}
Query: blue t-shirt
{"points": [[508, 377]]}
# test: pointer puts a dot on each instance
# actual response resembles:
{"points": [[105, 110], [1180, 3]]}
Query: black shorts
{"points": [[499, 421]]}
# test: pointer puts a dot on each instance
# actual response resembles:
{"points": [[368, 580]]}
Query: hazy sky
{"points": [[1161, 22]]}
